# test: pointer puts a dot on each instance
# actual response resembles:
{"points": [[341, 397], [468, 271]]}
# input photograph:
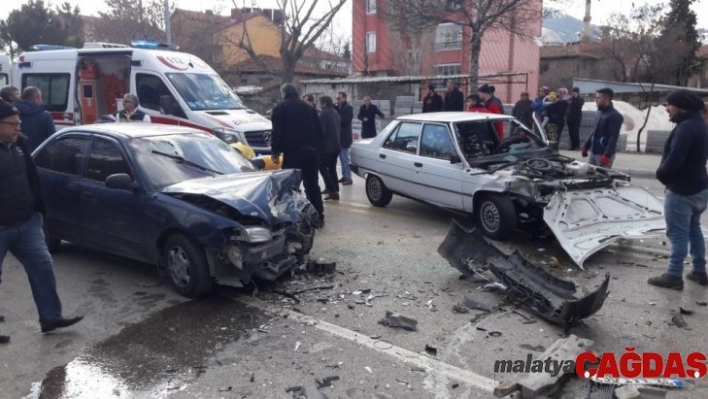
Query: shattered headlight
{"points": [[257, 234]]}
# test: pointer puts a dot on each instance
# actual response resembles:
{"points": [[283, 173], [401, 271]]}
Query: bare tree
{"points": [[303, 23], [128, 20], [476, 17]]}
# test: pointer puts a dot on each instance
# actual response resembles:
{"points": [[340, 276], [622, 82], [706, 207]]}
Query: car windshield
{"points": [[204, 92], [169, 159], [480, 138]]}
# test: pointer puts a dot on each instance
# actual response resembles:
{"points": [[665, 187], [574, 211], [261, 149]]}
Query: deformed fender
{"points": [[546, 295]]}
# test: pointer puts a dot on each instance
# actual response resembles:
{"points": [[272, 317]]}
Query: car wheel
{"points": [[53, 244], [496, 216], [377, 192], [187, 267]]}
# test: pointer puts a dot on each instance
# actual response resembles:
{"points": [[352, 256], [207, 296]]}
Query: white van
{"points": [[5, 70], [81, 86]]}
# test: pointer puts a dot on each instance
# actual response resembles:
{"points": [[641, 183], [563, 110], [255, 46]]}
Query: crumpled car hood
{"points": [[269, 196], [585, 221]]}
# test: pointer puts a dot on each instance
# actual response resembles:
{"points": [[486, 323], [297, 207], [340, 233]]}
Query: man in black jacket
{"points": [[346, 115], [37, 124], [433, 101], [454, 99], [297, 135], [575, 116], [683, 171], [330, 121], [367, 116], [21, 226], [601, 146]]}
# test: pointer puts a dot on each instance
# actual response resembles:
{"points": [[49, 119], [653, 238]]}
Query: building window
{"points": [[447, 69], [370, 42], [448, 36], [370, 6]]}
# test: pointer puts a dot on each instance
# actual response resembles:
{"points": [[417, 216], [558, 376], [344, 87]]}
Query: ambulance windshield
{"points": [[204, 92]]}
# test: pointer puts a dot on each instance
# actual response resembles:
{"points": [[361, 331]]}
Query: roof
{"points": [[275, 64], [591, 85], [200, 18], [132, 130], [408, 79], [319, 54], [460, 116]]}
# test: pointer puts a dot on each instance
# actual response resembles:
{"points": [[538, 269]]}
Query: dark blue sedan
{"points": [[175, 197]]}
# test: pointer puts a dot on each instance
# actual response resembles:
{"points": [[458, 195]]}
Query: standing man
{"points": [[10, 94], [602, 143], [575, 116], [367, 116], [538, 103], [331, 130], [346, 115], [485, 94], [21, 226], [522, 110], [683, 171], [454, 99], [433, 101], [496, 99], [297, 135], [130, 112], [37, 124]]}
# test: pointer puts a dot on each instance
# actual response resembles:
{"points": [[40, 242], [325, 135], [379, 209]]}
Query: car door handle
{"points": [[87, 195], [418, 164], [382, 156]]}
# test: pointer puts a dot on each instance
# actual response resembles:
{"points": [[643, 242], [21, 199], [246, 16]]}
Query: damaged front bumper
{"points": [[548, 296]]}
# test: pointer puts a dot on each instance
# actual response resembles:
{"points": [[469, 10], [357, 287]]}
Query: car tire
{"points": [[186, 266], [377, 192], [53, 244], [496, 216]]}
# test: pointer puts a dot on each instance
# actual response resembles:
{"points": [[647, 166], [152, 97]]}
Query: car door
{"points": [[399, 159], [440, 180], [113, 219], [60, 164]]}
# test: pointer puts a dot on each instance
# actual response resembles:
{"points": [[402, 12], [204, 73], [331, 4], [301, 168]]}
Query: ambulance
{"points": [[87, 85], [5, 70]]}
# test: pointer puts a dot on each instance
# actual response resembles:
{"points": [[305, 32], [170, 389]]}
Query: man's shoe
{"points": [[333, 196], [61, 323], [342, 180], [318, 222], [698, 278], [325, 192], [667, 281], [4, 339], [347, 182]]}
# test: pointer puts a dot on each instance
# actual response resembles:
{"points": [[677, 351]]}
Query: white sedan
{"points": [[456, 161]]}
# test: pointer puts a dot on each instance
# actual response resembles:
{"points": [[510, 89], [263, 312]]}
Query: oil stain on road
{"points": [[152, 358]]}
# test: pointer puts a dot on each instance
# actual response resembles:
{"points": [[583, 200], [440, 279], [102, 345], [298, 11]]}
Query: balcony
{"points": [[448, 45]]}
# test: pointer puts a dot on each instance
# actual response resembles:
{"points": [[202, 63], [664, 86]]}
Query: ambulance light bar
{"points": [[45, 47], [147, 44]]}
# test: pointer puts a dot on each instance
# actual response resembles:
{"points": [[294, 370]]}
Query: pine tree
{"points": [[680, 29]]}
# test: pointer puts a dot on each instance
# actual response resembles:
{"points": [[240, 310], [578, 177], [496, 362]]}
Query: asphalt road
{"points": [[140, 339]]}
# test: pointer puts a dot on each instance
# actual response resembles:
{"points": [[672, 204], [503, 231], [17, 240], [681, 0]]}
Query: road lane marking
{"points": [[432, 365]]}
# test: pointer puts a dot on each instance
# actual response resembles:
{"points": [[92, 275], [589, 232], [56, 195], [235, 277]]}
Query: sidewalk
{"points": [[640, 165]]}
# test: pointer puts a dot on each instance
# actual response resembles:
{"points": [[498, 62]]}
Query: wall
{"points": [[264, 37]]}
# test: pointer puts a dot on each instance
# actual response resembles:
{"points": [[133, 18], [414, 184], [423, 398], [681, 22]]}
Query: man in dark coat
{"points": [[522, 110], [433, 101], [346, 115], [297, 135], [37, 124], [454, 99], [367, 116], [683, 171], [331, 129], [21, 222], [602, 143], [575, 116]]}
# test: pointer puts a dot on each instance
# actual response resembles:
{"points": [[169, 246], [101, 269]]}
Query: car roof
{"points": [[447, 117], [132, 130]]}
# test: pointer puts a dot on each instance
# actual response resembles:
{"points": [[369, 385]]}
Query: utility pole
{"points": [[168, 25]]}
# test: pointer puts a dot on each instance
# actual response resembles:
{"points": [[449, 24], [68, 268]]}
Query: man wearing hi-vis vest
{"points": [[130, 112]]}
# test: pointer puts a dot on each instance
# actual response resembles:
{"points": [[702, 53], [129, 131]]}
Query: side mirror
{"points": [[455, 159], [120, 181]]}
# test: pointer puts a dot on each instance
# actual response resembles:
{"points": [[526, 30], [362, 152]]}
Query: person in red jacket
{"points": [[485, 93], [474, 104]]}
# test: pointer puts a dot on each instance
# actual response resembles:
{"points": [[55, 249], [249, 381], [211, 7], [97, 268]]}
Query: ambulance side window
{"points": [[54, 88], [150, 89]]}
